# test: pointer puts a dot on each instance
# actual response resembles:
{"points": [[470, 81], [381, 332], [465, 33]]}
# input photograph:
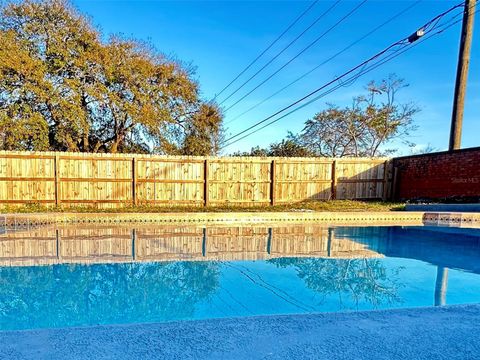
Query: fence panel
{"points": [[358, 179], [169, 182], [239, 181], [297, 180], [100, 179], [26, 179]]}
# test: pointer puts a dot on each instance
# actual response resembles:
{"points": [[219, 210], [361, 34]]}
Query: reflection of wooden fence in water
{"points": [[122, 244], [115, 180]]}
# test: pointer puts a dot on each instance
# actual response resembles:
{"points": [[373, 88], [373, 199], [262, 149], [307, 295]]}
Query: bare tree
{"points": [[362, 129], [427, 149]]}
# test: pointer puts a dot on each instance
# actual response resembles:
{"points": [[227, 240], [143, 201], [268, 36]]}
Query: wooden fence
{"points": [[114, 180]]}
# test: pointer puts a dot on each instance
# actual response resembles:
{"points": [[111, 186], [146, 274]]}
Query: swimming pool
{"points": [[77, 276]]}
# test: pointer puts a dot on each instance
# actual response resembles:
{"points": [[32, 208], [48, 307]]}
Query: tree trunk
{"points": [[116, 142], [86, 144]]}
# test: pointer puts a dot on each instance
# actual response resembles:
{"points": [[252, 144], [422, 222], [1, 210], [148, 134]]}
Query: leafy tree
{"points": [[62, 88], [60, 43], [254, 151], [145, 98], [203, 135], [289, 147], [21, 125], [364, 128]]}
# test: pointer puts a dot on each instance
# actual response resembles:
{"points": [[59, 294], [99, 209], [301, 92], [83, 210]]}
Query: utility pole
{"points": [[462, 74]]}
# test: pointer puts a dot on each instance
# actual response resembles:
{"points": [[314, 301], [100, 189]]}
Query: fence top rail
{"points": [[153, 157]]}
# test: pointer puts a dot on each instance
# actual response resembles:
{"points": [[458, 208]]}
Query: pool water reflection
{"points": [[60, 277]]}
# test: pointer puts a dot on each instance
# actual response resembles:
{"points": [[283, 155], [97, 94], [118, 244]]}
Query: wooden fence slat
{"points": [[85, 179], [21, 178], [206, 195], [237, 181], [169, 181], [26, 201], [313, 181], [56, 164], [357, 181], [273, 178], [134, 181]]}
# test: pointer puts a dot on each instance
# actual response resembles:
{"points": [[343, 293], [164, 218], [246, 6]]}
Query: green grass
{"points": [[310, 205]]}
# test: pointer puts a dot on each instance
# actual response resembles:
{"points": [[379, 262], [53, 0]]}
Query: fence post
{"points": [[334, 179], [272, 182], [206, 199], [56, 163], [394, 190], [134, 181], [385, 180]]}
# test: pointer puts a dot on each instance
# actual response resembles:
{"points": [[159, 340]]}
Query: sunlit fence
{"points": [[115, 180]]}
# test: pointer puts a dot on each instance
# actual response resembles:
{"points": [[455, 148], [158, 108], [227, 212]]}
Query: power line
{"points": [[427, 28], [349, 81], [394, 17], [269, 47], [390, 57], [282, 51], [300, 53]]}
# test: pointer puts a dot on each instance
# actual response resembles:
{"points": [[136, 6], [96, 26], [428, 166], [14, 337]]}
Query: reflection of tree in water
{"points": [[354, 280], [62, 295]]}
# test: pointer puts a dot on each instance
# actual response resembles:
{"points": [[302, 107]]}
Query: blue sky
{"points": [[221, 37]]}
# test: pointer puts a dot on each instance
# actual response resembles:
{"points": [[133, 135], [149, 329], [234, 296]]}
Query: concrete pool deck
{"points": [[451, 332]]}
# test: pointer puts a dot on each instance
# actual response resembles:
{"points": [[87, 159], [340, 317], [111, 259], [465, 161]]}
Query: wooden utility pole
{"points": [[462, 74]]}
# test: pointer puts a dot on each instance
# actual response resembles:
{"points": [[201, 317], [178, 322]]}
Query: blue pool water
{"points": [[198, 274]]}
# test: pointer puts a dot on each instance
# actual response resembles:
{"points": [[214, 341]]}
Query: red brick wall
{"points": [[442, 176]]}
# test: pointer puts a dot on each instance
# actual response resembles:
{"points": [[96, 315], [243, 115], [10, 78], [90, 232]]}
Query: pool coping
{"points": [[385, 218]]}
